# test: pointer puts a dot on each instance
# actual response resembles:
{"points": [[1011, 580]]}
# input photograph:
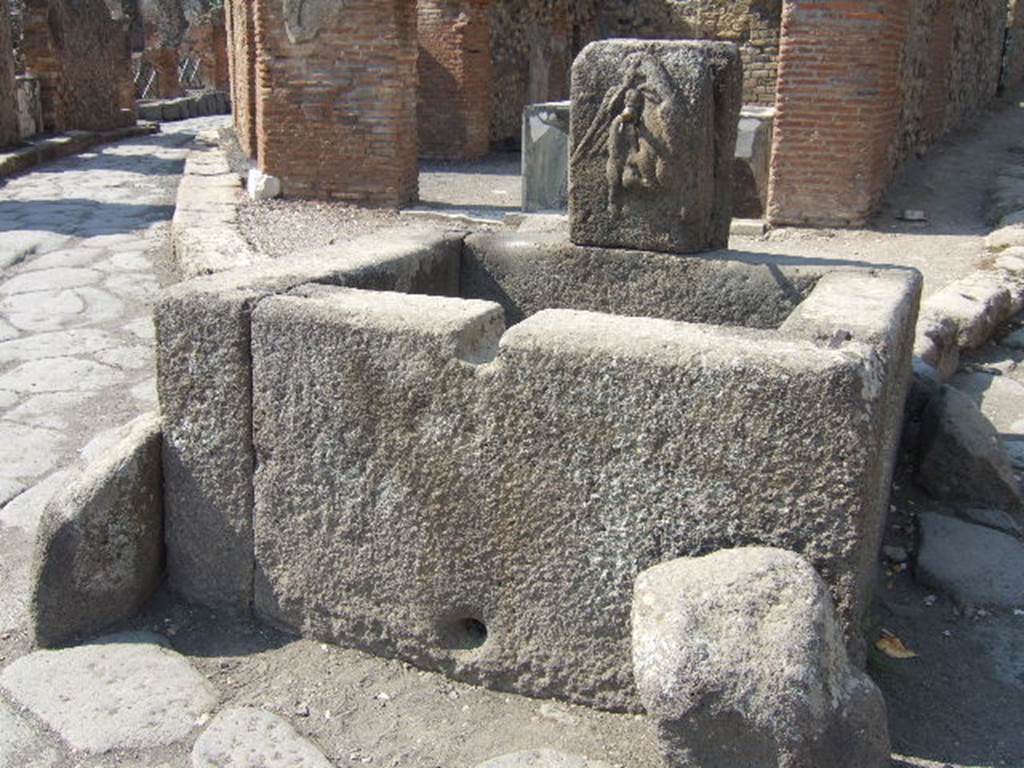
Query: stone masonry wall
{"points": [[242, 65], [9, 133], [82, 58], [336, 91], [839, 106], [455, 78]]}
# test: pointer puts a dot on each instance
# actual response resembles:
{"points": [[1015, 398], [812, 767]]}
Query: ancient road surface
{"points": [[83, 246]]}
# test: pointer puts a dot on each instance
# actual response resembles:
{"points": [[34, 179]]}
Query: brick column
{"points": [[839, 104], [9, 133], [336, 96], [455, 78]]}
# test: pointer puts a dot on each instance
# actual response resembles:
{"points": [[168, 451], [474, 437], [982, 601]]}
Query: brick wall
{"points": [[242, 67], [206, 40], [9, 133], [455, 78], [336, 95], [82, 58], [839, 105]]}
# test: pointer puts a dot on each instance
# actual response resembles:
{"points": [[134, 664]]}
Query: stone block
{"points": [[546, 156], [30, 106], [739, 658], [653, 139], [204, 383], [478, 503], [99, 550], [753, 162], [262, 186]]}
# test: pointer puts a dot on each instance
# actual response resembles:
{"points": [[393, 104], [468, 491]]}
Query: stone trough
{"points": [[462, 451]]}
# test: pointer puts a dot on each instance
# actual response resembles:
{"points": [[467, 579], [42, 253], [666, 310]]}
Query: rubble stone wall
{"points": [[9, 132], [336, 90], [82, 58], [455, 78]]}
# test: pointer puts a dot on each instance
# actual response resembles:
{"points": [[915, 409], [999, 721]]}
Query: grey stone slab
{"points": [[19, 244], [70, 258], [1000, 398], [75, 341], [26, 510], [546, 156], [653, 139], [961, 457], [99, 550], [415, 495], [204, 360], [974, 564], [128, 358], [24, 745], [49, 279], [27, 453], [52, 410], [246, 737], [541, 758], [53, 310], [739, 658], [59, 374], [123, 691]]}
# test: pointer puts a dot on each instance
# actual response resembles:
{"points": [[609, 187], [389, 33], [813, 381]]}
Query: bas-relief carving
{"points": [[304, 19], [634, 128]]}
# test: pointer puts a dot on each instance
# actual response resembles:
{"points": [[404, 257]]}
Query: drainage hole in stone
{"points": [[464, 634]]}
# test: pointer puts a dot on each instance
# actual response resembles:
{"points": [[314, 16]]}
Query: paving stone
{"points": [[1000, 398], [145, 392], [142, 328], [26, 510], [1014, 340], [50, 410], [9, 489], [18, 244], [74, 341], [131, 261], [975, 565], [50, 279], [127, 358], [27, 452], [8, 399], [541, 758], [245, 737], [133, 286], [60, 374], [53, 310], [71, 257], [8, 331], [125, 691], [22, 744]]}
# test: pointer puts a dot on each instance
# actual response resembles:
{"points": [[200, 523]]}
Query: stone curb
{"points": [[966, 313], [52, 148], [204, 230], [185, 107]]}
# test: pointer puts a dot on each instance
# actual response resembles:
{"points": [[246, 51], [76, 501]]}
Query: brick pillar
{"points": [[9, 133], [455, 78], [336, 98], [242, 63], [839, 104], [940, 52], [165, 62]]}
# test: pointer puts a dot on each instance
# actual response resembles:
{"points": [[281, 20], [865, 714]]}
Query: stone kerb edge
{"points": [[204, 232]]}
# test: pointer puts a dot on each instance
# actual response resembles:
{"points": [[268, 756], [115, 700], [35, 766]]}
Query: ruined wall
{"points": [[1013, 56], [535, 42], [336, 91], [979, 31], [9, 132], [455, 78], [82, 58], [242, 67], [206, 40], [839, 108]]}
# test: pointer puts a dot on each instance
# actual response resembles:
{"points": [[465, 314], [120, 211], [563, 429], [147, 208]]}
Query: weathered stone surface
{"points": [[204, 360], [99, 550], [1000, 398], [974, 564], [541, 758], [961, 457], [244, 737], [124, 691], [24, 745], [514, 560], [546, 156], [739, 658], [262, 186], [653, 139]]}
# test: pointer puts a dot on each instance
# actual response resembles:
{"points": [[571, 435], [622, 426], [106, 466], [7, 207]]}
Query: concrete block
{"points": [[99, 550], [653, 140], [739, 659], [415, 496], [546, 157]]}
